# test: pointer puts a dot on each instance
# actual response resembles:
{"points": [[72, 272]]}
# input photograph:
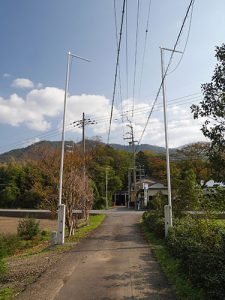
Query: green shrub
{"points": [[155, 222], [8, 244], [3, 268], [28, 228], [201, 248]]}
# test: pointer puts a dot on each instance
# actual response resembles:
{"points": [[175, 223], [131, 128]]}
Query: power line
{"points": [[145, 110], [167, 68], [186, 42], [145, 43], [127, 87], [54, 132], [120, 89], [117, 64], [192, 97], [135, 55]]}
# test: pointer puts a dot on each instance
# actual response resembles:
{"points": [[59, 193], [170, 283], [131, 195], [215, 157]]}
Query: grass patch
{"points": [[220, 222], [40, 245], [6, 294], [82, 232], [172, 268]]}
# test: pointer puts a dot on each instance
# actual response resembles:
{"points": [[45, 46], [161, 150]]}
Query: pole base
{"points": [[61, 224], [168, 218]]}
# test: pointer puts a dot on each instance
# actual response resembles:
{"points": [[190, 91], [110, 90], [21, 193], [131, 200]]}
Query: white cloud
{"points": [[22, 83], [31, 141], [40, 107]]}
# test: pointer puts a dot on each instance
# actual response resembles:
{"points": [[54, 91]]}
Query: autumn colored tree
{"points": [[154, 164], [77, 189]]}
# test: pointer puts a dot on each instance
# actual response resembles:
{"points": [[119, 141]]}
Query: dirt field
{"points": [[9, 225]]}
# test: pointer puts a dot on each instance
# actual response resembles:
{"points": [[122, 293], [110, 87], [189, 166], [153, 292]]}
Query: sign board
{"points": [[145, 186]]}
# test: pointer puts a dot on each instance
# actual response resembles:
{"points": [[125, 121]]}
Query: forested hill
{"points": [[33, 150], [142, 147]]}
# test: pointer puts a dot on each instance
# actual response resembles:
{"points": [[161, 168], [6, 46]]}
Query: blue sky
{"points": [[36, 35]]}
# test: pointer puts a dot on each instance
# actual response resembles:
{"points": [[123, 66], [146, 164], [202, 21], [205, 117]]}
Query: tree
{"points": [[213, 109], [77, 190], [189, 194], [195, 157]]}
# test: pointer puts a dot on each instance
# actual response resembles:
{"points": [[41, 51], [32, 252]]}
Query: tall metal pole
{"points": [[106, 188], [63, 128], [129, 182], [166, 141], [83, 142], [61, 207]]}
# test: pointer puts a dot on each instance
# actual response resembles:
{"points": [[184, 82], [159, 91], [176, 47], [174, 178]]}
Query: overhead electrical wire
{"points": [[166, 71], [117, 43], [157, 108], [176, 101], [145, 43], [116, 71], [127, 86], [186, 42], [104, 119], [135, 54]]}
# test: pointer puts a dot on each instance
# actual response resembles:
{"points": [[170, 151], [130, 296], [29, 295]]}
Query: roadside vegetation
{"points": [[24, 254]]}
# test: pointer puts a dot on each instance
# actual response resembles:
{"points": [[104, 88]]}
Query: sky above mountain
{"points": [[35, 39]]}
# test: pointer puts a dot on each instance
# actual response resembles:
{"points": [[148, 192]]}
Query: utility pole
{"points": [[132, 143], [83, 141], [168, 208], [106, 188], [81, 124], [129, 188]]}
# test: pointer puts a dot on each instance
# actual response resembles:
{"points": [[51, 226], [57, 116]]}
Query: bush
{"points": [[8, 245], [28, 228], [99, 203], [3, 268], [155, 222], [201, 248]]}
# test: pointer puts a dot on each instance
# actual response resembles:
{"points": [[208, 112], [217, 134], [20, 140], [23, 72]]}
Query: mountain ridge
{"points": [[26, 152]]}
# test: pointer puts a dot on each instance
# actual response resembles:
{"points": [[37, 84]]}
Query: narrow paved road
{"points": [[113, 263], [116, 263]]}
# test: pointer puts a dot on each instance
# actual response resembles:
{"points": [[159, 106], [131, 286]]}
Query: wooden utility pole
{"points": [[132, 143]]}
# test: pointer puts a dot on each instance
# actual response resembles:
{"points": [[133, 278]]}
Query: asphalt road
{"points": [[116, 263], [113, 263]]}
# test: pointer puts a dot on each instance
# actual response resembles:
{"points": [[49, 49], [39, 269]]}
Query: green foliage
{"points": [[28, 228], [158, 202], [82, 232], [16, 186], [117, 162], [3, 268], [212, 108], [172, 268], [99, 203], [200, 246], [213, 200], [189, 193], [6, 294], [8, 244], [155, 222]]}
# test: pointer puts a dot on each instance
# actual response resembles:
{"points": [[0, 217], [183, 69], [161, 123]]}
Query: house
{"points": [[146, 190]]}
